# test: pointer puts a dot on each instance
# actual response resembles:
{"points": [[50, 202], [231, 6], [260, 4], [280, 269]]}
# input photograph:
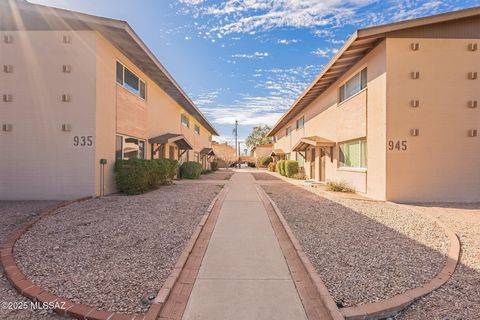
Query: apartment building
{"points": [[395, 113], [77, 93]]}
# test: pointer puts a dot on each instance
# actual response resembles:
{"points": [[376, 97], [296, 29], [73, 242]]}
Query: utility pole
{"points": [[236, 139]]}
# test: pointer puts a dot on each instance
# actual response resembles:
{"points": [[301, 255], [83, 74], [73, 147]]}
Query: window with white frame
{"points": [[131, 81], [185, 121], [196, 129], [300, 123], [356, 84], [129, 148], [288, 131], [353, 154]]}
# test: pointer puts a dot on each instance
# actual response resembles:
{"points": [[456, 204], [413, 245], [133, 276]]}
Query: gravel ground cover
{"points": [[264, 176], [112, 253], [364, 251], [459, 298], [217, 175], [12, 215]]}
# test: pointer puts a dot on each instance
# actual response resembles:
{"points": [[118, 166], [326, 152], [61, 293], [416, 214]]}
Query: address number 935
{"points": [[82, 141], [397, 145]]}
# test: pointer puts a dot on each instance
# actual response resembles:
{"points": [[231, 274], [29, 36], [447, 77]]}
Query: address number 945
{"points": [[82, 141], [397, 145]]}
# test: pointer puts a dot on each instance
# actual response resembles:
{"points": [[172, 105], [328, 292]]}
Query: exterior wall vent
{"points": [[67, 39], [7, 68], [7, 98], [472, 47], [415, 46], [66, 98], [414, 103], [472, 75], [7, 127], [472, 133], [473, 104], [66, 127], [415, 75], [66, 68], [415, 132], [8, 39]]}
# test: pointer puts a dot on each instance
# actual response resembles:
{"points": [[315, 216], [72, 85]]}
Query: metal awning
{"points": [[314, 141], [277, 152], [178, 139], [207, 151]]}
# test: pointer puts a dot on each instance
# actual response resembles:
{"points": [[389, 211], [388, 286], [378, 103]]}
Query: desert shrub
{"points": [[291, 167], [139, 176], [251, 164], [264, 162], [190, 170], [281, 167], [206, 171], [271, 167], [299, 176], [214, 166], [339, 186]]}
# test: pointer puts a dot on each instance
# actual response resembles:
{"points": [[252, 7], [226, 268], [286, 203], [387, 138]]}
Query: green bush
{"points": [[299, 176], [271, 167], [206, 171], [264, 162], [139, 176], [190, 170], [339, 186], [281, 167], [251, 164], [291, 167], [214, 165]]}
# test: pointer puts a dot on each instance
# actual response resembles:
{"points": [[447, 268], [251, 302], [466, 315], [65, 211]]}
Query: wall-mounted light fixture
{"points": [[8, 39], [414, 103], [66, 98], [414, 132], [66, 127], [7, 127], [472, 133], [66, 68], [472, 75], [7, 68], [415, 46], [472, 47], [472, 104], [67, 39], [7, 98], [415, 75]]}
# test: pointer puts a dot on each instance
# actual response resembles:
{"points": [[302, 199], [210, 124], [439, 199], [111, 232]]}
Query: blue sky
{"points": [[250, 59]]}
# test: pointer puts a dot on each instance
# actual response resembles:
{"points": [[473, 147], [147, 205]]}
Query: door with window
{"points": [[312, 163]]}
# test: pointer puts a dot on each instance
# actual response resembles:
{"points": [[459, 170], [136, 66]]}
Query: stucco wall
{"points": [[442, 163], [38, 160]]}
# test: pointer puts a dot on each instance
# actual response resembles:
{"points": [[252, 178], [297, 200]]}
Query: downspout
{"points": [[366, 132]]}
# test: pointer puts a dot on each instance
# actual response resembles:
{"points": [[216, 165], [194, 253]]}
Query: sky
{"points": [[248, 60]]}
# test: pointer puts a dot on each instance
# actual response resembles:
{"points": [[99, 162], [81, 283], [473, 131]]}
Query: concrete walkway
{"points": [[244, 274]]}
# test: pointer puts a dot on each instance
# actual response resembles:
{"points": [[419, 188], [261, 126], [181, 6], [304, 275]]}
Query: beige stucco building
{"points": [[76, 89], [395, 113]]}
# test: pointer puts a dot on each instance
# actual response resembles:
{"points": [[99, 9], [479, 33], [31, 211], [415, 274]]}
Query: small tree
{"points": [[258, 136]]}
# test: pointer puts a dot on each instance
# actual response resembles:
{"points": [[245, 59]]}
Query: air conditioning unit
{"points": [[472, 47], [66, 98], [7, 68], [7, 127], [415, 75], [8, 39], [7, 98], [415, 46], [415, 132], [472, 104], [66, 127], [414, 103], [472, 133], [67, 39], [472, 75], [66, 68]]}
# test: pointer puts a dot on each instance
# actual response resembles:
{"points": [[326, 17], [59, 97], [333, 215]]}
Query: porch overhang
{"points": [[207, 152], [277, 153], [172, 138], [314, 141]]}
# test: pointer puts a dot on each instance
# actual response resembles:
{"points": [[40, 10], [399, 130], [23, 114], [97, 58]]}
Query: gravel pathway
{"points": [[459, 298], [217, 175], [364, 251], [112, 253], [13, 214], [264, 176]]}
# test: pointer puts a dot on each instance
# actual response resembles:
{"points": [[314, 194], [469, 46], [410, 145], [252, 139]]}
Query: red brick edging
{"points": [[66, 307], [386, 307]]}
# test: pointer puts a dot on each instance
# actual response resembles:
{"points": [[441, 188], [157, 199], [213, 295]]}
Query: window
{"points": [[287, 156], [274, 139], [129, 80], [353, 154], [129, 148], [197, 129], [357, 83], [197, 157], [300, 123], [185, 121], [288, 131], [300, 157]]}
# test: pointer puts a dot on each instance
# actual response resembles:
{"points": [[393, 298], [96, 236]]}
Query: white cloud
{"points": [[191, 2], [288, 41], [324, 53], [255, 55]]}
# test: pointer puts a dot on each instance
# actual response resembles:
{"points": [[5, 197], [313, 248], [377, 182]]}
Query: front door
{"points": [[322, 165], [312, 164]]}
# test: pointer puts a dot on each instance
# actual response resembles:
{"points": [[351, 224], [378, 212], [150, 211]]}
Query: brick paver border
{"points": [[387, 307], [67, 307]]}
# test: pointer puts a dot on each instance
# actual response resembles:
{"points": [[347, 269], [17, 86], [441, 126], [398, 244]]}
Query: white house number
{"points": [[82, 141]]}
